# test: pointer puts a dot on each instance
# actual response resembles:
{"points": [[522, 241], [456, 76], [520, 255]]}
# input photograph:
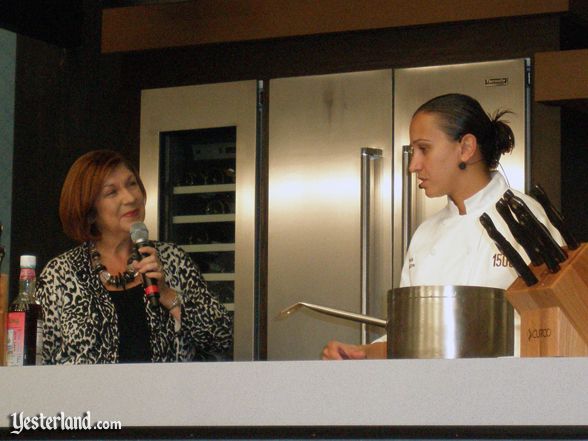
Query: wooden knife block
{"points": [[554, 312]]}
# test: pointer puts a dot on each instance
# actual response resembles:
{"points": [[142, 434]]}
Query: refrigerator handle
{"points": [[367, 156], [406, 200]]}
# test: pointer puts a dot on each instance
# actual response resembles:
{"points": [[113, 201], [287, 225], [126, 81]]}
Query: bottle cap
{"points": [[27, 261]]}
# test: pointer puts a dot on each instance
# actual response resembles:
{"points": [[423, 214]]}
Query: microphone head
{"points": [[139, 232]]}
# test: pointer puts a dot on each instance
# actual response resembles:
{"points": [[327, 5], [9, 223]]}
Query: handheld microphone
{"points": [[140, 237]]}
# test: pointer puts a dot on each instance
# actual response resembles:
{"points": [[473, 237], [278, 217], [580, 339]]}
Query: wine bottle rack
{"points": [[197, 202]]}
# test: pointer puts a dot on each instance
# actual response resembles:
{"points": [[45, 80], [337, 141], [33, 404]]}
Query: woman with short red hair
{"points": [[93, 298]]}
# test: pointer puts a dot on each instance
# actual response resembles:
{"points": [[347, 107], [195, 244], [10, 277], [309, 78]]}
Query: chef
{"points": [[456, 147]]}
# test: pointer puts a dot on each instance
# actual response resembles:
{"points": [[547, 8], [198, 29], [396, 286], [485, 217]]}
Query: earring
{"points": [[462, 165]]}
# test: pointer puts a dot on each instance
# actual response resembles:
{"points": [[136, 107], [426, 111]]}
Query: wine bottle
{"points": [[24, 336]]}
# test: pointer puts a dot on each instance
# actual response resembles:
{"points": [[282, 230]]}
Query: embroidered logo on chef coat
{"points": [[500, 260]]}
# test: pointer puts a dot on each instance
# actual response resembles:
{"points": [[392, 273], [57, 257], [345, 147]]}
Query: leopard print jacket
{"points": [[81, 323]]}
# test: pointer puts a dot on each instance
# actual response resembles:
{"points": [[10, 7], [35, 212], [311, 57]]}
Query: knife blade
{"points": [[507, 249], [537, 229], [554, 216], [519, 233]]}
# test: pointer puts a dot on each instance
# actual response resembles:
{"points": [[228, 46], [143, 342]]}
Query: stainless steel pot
{"points": [[440, 322]]}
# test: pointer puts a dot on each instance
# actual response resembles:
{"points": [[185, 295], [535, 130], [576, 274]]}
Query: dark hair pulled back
{"points": [[461, 114]]}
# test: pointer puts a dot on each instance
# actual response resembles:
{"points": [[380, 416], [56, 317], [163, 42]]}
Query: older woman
{"points": [[92, 295], [456, 148]]}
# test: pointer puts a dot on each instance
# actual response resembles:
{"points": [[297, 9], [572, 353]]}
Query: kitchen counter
{"points": [[520, 394]]}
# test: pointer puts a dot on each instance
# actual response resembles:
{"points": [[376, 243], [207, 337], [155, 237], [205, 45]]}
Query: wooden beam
{"points": [[216, 21], [561, 76]]}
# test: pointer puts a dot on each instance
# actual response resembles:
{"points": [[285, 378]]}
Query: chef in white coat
{"points": [[456, 147]]}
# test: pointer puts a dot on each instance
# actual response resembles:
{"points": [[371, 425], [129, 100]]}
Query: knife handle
{"points": [[519, 233], [547, 252], [554, 216], [507, 249], [537, 229]]}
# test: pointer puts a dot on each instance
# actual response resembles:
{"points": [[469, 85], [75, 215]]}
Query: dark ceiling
{"points": [[58, 22]]}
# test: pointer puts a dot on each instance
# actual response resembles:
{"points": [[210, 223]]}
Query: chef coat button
{"points": [[433, 251]]}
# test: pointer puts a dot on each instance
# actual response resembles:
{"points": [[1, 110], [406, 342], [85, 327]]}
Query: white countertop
{"points": [[465, 392]]}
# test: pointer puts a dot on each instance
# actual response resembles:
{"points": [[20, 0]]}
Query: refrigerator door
{"points": [[318, 126], [183, 121], [496, 85]]}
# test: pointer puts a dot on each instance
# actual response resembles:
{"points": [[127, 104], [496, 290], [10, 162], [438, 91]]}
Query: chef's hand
{"points": [[335, 350]]}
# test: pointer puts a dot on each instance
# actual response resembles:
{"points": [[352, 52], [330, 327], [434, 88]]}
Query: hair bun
{"points": [[503, 135]]}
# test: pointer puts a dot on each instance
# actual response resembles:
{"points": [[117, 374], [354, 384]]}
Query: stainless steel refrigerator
{"points": [[198, 165], [320, 187], [341, 210]]}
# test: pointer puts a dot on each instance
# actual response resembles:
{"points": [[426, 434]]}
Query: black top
{"points": [[132, 325]]}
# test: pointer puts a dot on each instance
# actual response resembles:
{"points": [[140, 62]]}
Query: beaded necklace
{"points": [[119, 280]]}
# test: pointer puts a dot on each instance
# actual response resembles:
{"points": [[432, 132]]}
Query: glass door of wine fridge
{"points": [[198, 164], [197, 191]]}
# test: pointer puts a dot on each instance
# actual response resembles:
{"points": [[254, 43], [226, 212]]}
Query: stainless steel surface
{"points": [[449, 322], [199, 107], [407, 214], [316, 125], [497, 85], [439, 321], [367, 156], [361, 318]]}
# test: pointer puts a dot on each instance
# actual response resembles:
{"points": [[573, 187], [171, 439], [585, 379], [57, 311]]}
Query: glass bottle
{"points": [[24, 336]]}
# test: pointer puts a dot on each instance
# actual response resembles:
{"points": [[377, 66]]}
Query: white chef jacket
{"points": [[453, 249]]}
